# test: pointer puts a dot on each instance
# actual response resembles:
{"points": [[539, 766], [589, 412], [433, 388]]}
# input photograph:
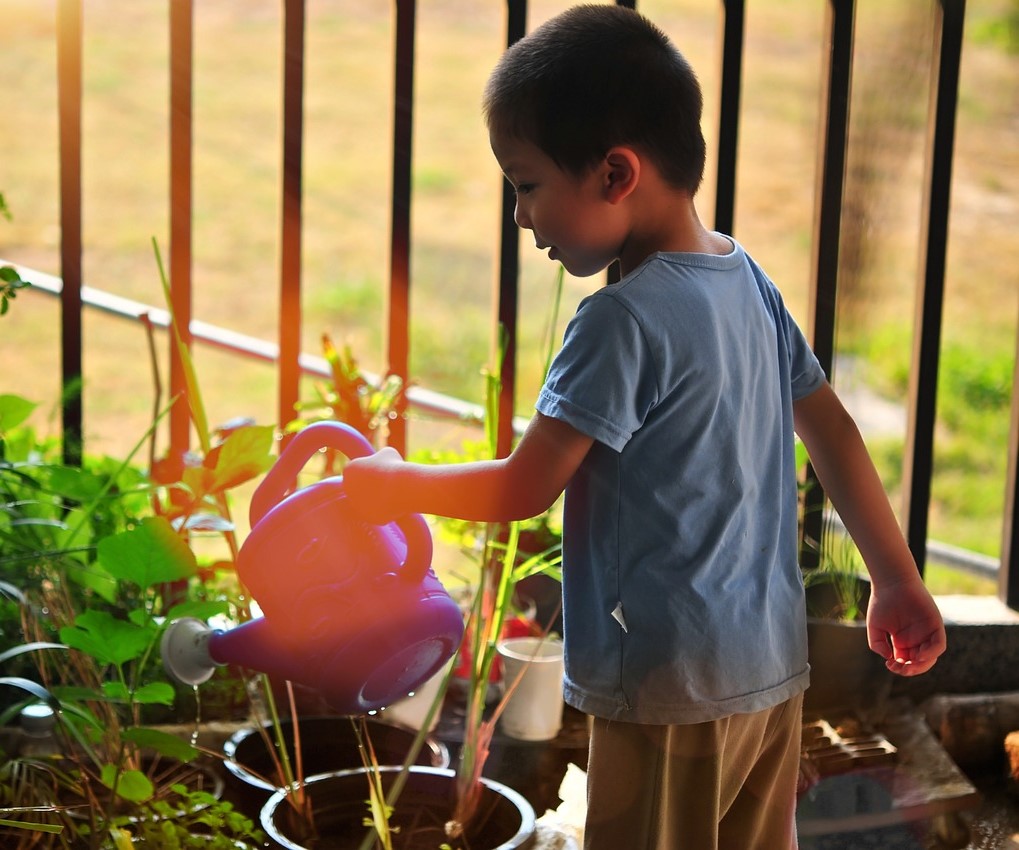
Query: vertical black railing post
{"points": [[69, 74], [831, 177], [181, 69], [290, 236], [508, 295], [398, 312], [733, 22], [1008, 574], [944, 96]]}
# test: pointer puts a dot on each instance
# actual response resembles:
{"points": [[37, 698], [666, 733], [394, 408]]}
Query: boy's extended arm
{"points": [[384, 486], [903, 622]]}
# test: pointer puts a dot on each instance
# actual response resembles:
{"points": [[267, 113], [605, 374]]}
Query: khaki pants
{"points": [[728, 784]]}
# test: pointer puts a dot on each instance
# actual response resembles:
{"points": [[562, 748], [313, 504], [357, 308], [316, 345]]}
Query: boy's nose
{"points": [[521, 218]]}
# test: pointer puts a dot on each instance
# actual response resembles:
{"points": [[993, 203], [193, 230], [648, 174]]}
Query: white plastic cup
{"points": [[534, 711]]}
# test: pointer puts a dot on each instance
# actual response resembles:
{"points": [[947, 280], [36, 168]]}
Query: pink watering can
{"points": [[350, 609]]}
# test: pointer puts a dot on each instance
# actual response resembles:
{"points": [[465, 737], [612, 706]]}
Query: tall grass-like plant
{"points": [[500, 567]]}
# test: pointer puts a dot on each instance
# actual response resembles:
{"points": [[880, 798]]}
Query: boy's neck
{"points": [[665, 220]]}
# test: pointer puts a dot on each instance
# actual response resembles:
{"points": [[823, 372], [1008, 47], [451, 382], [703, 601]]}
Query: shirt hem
{"points": [[613, 708]]}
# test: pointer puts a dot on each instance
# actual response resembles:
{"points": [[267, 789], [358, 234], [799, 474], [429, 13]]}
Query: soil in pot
{"points": [[328, 744], [505, 820]]}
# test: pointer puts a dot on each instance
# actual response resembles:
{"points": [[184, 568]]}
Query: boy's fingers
{"points": [[910, 660]]}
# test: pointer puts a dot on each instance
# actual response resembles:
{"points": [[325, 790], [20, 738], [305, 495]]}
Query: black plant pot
{"points": [[328, 744], [845, 674], [505, 820]]}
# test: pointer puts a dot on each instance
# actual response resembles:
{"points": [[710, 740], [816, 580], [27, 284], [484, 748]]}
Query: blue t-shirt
{"points": [[682, 595]]}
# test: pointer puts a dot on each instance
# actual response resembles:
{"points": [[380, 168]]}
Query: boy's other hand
{"points": [[904, 626]]}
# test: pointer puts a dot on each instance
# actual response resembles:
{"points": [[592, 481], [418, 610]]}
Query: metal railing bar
{"points": [[1008, 582], [508, 283], [290, 213], [181, 183], [944, 95], [398, 306], [832, 145], [733, 23], [69, 93]]}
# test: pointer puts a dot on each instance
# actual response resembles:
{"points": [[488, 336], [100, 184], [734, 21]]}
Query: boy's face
{"points": [[568, 214]]}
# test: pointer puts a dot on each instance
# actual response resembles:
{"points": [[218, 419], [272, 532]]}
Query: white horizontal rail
{"points": [[424, 400]]}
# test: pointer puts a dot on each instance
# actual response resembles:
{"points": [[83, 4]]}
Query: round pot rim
{"points": [[527, 816], [238, 770], [548, 649]]}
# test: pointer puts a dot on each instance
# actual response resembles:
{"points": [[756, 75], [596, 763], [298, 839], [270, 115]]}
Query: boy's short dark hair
{"points": [[597, 76]]}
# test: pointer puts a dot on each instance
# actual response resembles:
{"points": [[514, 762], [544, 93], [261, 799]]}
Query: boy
{"points": [[668, 418]]}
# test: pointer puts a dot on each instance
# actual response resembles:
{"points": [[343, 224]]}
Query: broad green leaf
{"points": [[162, 742], [200, 610], [73, 693], [199, 480], [93, 577], [14, 410], [155, 693], [148, 554], [132, 785], [76, 485], [245, 454], [116, 691], [105, 638]]}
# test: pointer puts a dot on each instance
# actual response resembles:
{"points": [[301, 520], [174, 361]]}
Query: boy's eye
{"points": [[524, 189]]}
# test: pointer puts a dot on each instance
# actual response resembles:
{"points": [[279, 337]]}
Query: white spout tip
{"points": [[185, 651]]}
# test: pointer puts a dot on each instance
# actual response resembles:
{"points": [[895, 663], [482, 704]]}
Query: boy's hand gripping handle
{"points": [[281, 478]]}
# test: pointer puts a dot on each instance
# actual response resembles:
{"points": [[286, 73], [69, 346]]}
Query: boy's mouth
{"points": [[544, 247]]}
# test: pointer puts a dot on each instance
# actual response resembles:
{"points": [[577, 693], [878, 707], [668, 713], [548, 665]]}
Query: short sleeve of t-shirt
{"points": [[604, 352]]}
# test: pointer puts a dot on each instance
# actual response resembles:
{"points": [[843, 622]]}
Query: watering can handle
{"points": [[281, 478]]}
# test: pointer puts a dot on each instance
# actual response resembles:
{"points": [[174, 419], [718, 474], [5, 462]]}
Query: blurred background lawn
{"points": [[348, 105]]}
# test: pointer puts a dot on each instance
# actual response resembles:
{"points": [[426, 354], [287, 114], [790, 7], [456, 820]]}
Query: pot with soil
{"points": [[844, 672], [504, 819], [328, 744]]}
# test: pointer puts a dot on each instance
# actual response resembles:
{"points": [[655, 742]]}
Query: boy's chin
{"points": [[581, 269]]}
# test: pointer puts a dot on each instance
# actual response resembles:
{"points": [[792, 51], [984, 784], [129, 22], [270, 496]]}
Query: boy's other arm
{"points": [[384, 486], [903, 622]]}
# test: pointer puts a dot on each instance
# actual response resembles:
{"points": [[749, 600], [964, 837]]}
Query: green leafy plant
{"points": [[194, 816], [10, 280], [350, 397], [102, 557]]}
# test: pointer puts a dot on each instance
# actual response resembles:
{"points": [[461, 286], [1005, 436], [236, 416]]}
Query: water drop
{"points": [[198, 716]]}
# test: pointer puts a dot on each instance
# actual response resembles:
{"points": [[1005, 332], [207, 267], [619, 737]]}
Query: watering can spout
{"points": [[192, 651], [355, 670]]}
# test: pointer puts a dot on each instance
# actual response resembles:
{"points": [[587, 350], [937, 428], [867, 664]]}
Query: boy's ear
{"points": [[622, 173]]}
